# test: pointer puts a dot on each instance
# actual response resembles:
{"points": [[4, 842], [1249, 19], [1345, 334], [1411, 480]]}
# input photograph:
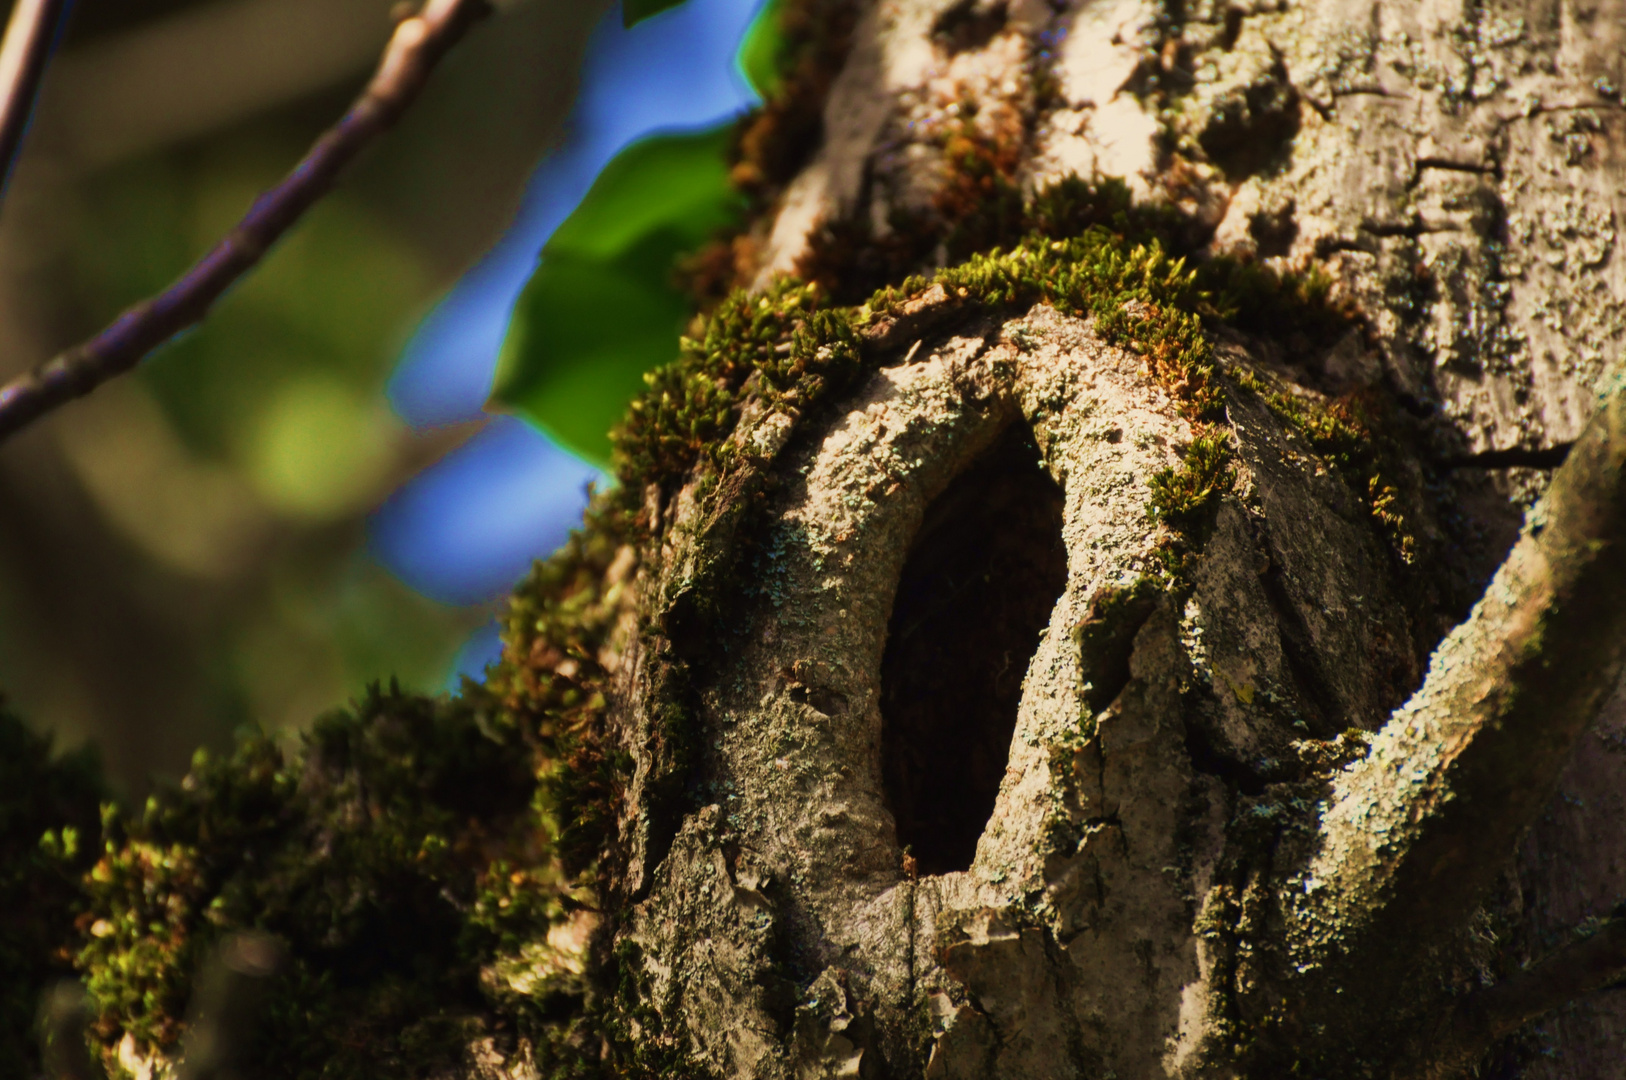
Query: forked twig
{"points": [[417, 45], [30, 36]]}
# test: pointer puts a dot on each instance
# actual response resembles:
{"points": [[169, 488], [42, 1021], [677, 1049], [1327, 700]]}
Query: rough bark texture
{"points": [[1454, 170], [1455, 166], [1570, 865], [999, 677], [783, 931]]}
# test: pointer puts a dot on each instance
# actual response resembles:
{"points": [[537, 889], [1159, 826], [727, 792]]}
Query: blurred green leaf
{"points": [[634, 12], [762, 51], [603, 306]]}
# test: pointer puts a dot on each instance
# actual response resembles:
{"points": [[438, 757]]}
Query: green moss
{"points": [[372, 853], [977, 209], [412, 846], [692, 403], [1297, 309], [1342, 433], [977, 206], [980, 198], [1072, 206], [1083, 247], [1185, 498], [1139, 296], [47, 822], [1088, 251], [550, 682]]}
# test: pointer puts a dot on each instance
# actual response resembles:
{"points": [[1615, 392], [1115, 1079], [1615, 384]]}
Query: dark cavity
{"points": [[977, 590], [969, 25]]}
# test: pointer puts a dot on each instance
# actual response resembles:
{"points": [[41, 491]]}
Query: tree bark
{"points": [[1135, 903], [1041, 669]]}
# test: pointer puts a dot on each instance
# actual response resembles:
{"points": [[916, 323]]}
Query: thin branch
{"points": [[1412, 835], [30, 35], [415, 48], [1486, 1017]]}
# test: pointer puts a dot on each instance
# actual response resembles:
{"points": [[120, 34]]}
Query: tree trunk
{"points": [[968, 800], [999, 677]]}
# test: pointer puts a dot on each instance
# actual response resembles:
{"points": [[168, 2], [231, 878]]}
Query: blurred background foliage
{"points": [[308, 493], [603, 307], [617, 280], [187, 550]]}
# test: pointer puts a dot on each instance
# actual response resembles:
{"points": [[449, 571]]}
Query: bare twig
{"points": [[1413, 835], [30, 35], [416, 47]]}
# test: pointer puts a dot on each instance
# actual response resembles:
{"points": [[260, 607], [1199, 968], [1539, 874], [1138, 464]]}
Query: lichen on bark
{"points": [[784, 463]]}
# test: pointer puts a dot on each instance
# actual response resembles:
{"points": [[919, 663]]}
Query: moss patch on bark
{"points": [[394, 853]]}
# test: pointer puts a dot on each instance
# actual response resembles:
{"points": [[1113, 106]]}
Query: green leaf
{"points": [[602, 307], [762, 51], [634, 12]]}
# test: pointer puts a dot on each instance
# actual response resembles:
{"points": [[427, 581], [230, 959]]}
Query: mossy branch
{"points": [[1412, 835], [414, 50], [1185, 498]]}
